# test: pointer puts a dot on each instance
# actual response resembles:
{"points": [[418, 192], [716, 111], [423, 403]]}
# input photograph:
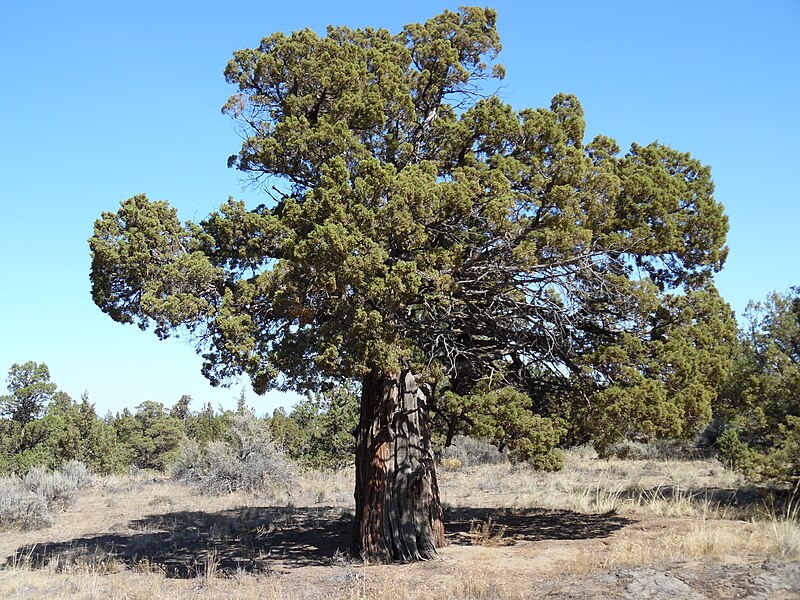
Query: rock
{"points": [[655, 585]]}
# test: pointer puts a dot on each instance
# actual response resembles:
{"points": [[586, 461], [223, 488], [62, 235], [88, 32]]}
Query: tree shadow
{"points": [[468, 525], [189, 544]]}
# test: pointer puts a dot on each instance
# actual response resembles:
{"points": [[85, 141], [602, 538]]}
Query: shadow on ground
{"points": [[262, 539], [507, 526]]}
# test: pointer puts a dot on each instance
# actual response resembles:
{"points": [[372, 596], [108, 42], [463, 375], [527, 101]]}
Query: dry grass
{"points": [[703, 540], [589, 485], [519, 529], [697, 510], [487, 534]]}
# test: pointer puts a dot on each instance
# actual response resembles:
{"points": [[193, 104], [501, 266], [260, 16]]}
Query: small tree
{"points": [[74, 432], [24, 436], [207, 425], [323, 427], [30, 390], [150, 436], [760, 401], [181, 409], [423, 231]]}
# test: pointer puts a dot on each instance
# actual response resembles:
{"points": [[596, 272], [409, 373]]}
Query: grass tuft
{"points": [[487, 534]]}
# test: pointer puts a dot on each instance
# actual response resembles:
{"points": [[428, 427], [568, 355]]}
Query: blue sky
{"points": [[104, 100]]}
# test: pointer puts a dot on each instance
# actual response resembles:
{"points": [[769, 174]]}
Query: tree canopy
{"points": [[30, 391], [416, 220]]}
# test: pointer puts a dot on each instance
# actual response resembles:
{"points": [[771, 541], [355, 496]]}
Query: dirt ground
{"points": [[148, 537]]}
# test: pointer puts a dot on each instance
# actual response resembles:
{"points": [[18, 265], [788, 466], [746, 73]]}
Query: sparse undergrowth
{"points": [[666, 488], [519, 526], [728, 516], [31, 501], [470, 452]]}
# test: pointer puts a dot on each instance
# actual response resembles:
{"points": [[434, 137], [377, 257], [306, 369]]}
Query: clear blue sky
{"points": [[104, 100]]}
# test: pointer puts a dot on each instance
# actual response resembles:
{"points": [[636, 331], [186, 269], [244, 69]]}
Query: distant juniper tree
{"points": [[207, 425], [181, 409], [425, 237], [150, 437], [23, 432], [30, 391], [760, 401], [320, 430], [46, 427]]}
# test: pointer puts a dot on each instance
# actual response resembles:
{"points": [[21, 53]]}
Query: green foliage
{"points": [[19, 455], [737, 453], [661, 380], [207, 425], [62, 430], [320, 430], [150, 437], [760, 401], [47, 428], [30, 390], [181, 409], [75, 433], [505, 418], [422, 222], [287, 433]]}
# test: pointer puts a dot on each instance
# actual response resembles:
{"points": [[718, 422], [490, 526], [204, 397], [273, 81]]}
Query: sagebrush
{"points": [[247, 460], [29, 502]]}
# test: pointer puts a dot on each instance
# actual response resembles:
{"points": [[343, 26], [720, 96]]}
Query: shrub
{"points": [[548, 461], [507, 421], [759, 401], [733, 451], [28, 503], [188, 464], [246, 460], [320, 430], [473, 451], [657, 450], [21, 508], [150, 437], [78, 472], [451, 464], [56, 489]]}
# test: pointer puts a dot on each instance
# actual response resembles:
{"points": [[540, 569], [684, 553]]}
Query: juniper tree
{"points": [[760, 399], [420, 230], [29, 392]]}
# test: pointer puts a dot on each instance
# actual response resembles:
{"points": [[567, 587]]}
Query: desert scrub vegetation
{"points": [[665, 450], [246, 459], [470, 451], [29, 502], [586, 484]]}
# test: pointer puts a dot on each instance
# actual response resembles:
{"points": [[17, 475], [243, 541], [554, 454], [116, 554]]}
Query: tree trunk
{"points": [[398, 513]]}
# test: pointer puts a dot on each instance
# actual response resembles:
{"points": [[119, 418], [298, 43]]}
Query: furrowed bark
{"points": [[398, 512]]}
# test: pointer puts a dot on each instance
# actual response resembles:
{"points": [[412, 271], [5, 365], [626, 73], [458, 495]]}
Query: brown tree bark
{"points": [[398, 512]]}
